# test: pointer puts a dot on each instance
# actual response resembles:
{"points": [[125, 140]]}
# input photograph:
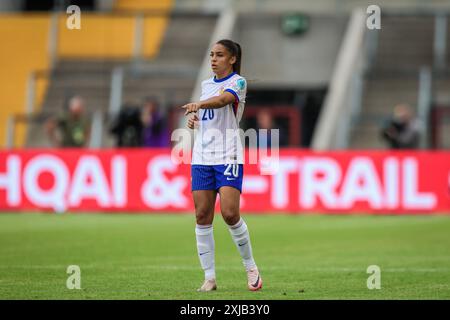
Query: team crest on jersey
{"points": [[222, 90]]}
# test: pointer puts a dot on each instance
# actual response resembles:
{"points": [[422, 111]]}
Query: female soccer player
{"points": [[217, 164]]}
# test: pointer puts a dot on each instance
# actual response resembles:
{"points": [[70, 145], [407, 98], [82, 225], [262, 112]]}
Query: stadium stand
{"points": [[144, 38], [405, 44], [86, 61]]}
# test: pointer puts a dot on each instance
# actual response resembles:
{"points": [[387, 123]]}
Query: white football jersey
{"points": [[217, 139]]}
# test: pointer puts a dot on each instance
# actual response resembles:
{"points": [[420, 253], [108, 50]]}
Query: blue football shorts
{"points": [[212, 177]]}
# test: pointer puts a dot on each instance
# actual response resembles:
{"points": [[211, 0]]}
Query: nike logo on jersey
{"points": [[242, 244]]}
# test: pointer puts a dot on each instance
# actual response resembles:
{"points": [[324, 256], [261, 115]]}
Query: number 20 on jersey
{"points": [[208, 114]]}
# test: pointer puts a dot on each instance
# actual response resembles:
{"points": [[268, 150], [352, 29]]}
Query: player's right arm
{"points": [[211, 103]]}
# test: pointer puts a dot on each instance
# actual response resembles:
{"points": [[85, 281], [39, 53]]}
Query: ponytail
{"points": [[237, 64]]}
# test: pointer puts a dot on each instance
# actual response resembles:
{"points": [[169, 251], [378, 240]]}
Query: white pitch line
{"points": [[233, 268]]}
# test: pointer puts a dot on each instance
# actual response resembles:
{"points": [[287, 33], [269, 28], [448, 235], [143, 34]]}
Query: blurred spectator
{"points": [[264, 120], [155, 130], [127, 127], [71, 130], [402, 131]]}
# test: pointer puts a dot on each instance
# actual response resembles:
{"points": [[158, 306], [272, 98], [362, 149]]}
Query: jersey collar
{"points": [[223, 79]]}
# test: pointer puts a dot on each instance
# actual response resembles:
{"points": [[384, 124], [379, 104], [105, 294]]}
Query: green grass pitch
{"points": [[154, 257]]}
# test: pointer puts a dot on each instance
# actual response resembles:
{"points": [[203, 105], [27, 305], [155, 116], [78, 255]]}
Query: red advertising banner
{"points": [[143, 180]]}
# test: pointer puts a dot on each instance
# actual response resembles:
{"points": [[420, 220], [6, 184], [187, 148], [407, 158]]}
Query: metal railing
{"points": [[333, 126], [115, 98], [440, 41], [95, 141], [424, 101]]}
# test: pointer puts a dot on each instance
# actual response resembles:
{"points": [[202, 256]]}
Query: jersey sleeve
{"points": [[238, 87]]}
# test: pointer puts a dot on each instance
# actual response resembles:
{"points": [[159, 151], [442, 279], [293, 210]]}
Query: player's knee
{"points": [[203, 216], [231, 217]]}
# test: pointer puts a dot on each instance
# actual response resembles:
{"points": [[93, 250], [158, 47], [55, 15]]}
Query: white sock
{"points": [[205, 249], [241, 238]]}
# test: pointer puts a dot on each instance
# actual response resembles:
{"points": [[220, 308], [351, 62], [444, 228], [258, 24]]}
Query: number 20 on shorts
{"points": [[232, 169]]}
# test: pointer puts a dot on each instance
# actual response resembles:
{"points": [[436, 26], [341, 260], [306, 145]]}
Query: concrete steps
{"points": [[441, 89], [368, 133], [172, 75], [405, 43]]}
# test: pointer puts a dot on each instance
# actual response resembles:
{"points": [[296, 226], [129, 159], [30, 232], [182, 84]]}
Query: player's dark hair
{"points": [[235, 50]]}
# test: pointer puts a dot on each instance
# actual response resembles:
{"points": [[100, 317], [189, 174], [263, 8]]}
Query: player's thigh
{"points": [[229, 204], [204, 201]]}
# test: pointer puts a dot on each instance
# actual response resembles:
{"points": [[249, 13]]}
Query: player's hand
{"points": [[191, 107], [192, 122]]}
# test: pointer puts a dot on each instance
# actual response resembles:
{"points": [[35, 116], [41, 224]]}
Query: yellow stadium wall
{"points": [[154, 30], [109, 37], [140, 5], [25, 49]]}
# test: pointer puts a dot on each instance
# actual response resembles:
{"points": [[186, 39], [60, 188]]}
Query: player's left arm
{"points": [[212, 103]]}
